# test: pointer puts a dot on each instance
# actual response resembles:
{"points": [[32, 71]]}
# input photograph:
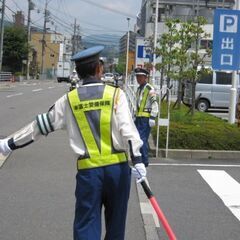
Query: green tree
{"points": [[184, 44], [15, 48], [196, 62], [121, 66], [179, 49], [167, 50]]}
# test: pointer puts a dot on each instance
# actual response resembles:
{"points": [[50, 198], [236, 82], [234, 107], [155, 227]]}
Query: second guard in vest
{"points": [[146, 110], [101, 131]]}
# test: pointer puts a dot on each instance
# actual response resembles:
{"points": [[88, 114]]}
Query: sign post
{"points": [[226, 49]]}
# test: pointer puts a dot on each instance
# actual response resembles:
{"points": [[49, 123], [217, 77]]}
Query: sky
{"points": [[92, 16]]}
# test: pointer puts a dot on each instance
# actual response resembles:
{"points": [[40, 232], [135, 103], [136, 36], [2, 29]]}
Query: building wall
{"points": [[131, 61], [182, 9], [19, 19], [123, 43], [132, 47], [51, 50]]}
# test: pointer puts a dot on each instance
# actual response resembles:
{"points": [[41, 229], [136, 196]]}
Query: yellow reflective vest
{"points": [[92, 107], [142, 111]]}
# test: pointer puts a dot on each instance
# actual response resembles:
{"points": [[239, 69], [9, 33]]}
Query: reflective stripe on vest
{"points": [[102, 155], [142, 111]]}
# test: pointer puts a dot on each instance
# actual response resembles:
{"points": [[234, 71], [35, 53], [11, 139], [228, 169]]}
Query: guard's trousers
{"points": [[142, 124], [104, 186]]}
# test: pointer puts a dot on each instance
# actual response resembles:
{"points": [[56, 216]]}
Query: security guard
{"points": [[101, 131], [146, 110]]}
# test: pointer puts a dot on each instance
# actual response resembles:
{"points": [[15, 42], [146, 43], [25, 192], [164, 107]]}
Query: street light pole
{"points": [[155, 44], [233, 95], [2, 34], [126, 74]]}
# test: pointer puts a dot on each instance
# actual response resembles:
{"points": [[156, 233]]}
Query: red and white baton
{"points": [[158, 211]]}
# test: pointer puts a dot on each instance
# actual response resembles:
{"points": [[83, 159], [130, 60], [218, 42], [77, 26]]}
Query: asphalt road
{"points": [[37, 183], [192, 207]]}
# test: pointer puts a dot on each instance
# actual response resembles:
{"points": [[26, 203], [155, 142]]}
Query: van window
{"points": [[205, 43], [223, 78], [206, 78]]}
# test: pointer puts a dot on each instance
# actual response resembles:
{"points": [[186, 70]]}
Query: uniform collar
{"points": [[142, 86], [91, 80]]}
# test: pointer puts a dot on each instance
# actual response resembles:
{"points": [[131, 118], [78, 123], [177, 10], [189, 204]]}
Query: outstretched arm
{"points": [[42, 125]]}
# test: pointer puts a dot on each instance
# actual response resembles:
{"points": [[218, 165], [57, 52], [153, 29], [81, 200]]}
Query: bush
{"points": [[201, 131]]}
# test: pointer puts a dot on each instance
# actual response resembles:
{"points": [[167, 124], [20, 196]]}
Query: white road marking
{"points": [[50, 87], [194, 165], [37, 90], [227, 188], [14, 95]]}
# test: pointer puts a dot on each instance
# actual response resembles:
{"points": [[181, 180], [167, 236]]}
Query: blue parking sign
{"points": [[226, 40]]}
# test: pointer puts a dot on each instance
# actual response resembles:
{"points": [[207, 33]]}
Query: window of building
{"points": [[161, 12]]}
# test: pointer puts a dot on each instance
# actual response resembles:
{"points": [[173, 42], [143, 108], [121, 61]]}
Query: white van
{"points": [[63, 71], [214, 89]]}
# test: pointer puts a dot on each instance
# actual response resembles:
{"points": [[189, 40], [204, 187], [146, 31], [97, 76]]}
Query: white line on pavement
{"points": [[50, 87], [227, 188], [37, 90], [194, 165], [14, 95]]}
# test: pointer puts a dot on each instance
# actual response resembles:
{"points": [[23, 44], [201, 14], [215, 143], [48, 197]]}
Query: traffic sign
{"points": [[226, 39]]}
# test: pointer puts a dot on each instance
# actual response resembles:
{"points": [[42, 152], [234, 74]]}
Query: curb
{"points": [[192, 153], [150, 219]]}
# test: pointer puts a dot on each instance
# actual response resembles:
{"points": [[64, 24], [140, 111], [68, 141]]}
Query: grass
{"points": [[201, 131]]}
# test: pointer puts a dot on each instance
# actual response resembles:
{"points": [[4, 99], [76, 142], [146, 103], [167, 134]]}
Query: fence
{"points": [[132, 85], [6, 76]]}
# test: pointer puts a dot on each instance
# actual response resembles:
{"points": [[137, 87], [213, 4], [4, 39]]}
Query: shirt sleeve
{"points": [[154, 103], [128, 129], [44, 124]]}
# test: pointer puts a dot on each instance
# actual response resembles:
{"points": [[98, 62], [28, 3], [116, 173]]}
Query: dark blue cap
{"points": [[141, 71], [88, 55]]}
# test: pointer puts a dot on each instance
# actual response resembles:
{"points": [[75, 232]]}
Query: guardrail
{"points": [[6, 76]]}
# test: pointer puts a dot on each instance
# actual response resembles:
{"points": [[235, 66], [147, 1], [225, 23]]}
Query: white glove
{"points": [[139, 172], [4, 148], [152, 122]]}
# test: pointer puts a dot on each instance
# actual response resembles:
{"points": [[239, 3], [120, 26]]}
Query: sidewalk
{"points": [[192, 153], [6, 85]]}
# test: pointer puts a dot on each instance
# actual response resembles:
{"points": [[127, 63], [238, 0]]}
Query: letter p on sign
{"points": [[228, 23]]}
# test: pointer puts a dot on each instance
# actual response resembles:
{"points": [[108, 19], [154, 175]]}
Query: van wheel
{"points": [[202, 105]]}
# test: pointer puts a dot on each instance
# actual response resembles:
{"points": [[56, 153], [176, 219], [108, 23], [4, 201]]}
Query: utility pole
{"points": [[46, 15], [126, 73], [2, 33], [30, 7], [74, 37]]}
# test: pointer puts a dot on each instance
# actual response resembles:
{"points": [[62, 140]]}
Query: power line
{"points": [[109, 9], [86, 22], [16, 5], [10, 9]]}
